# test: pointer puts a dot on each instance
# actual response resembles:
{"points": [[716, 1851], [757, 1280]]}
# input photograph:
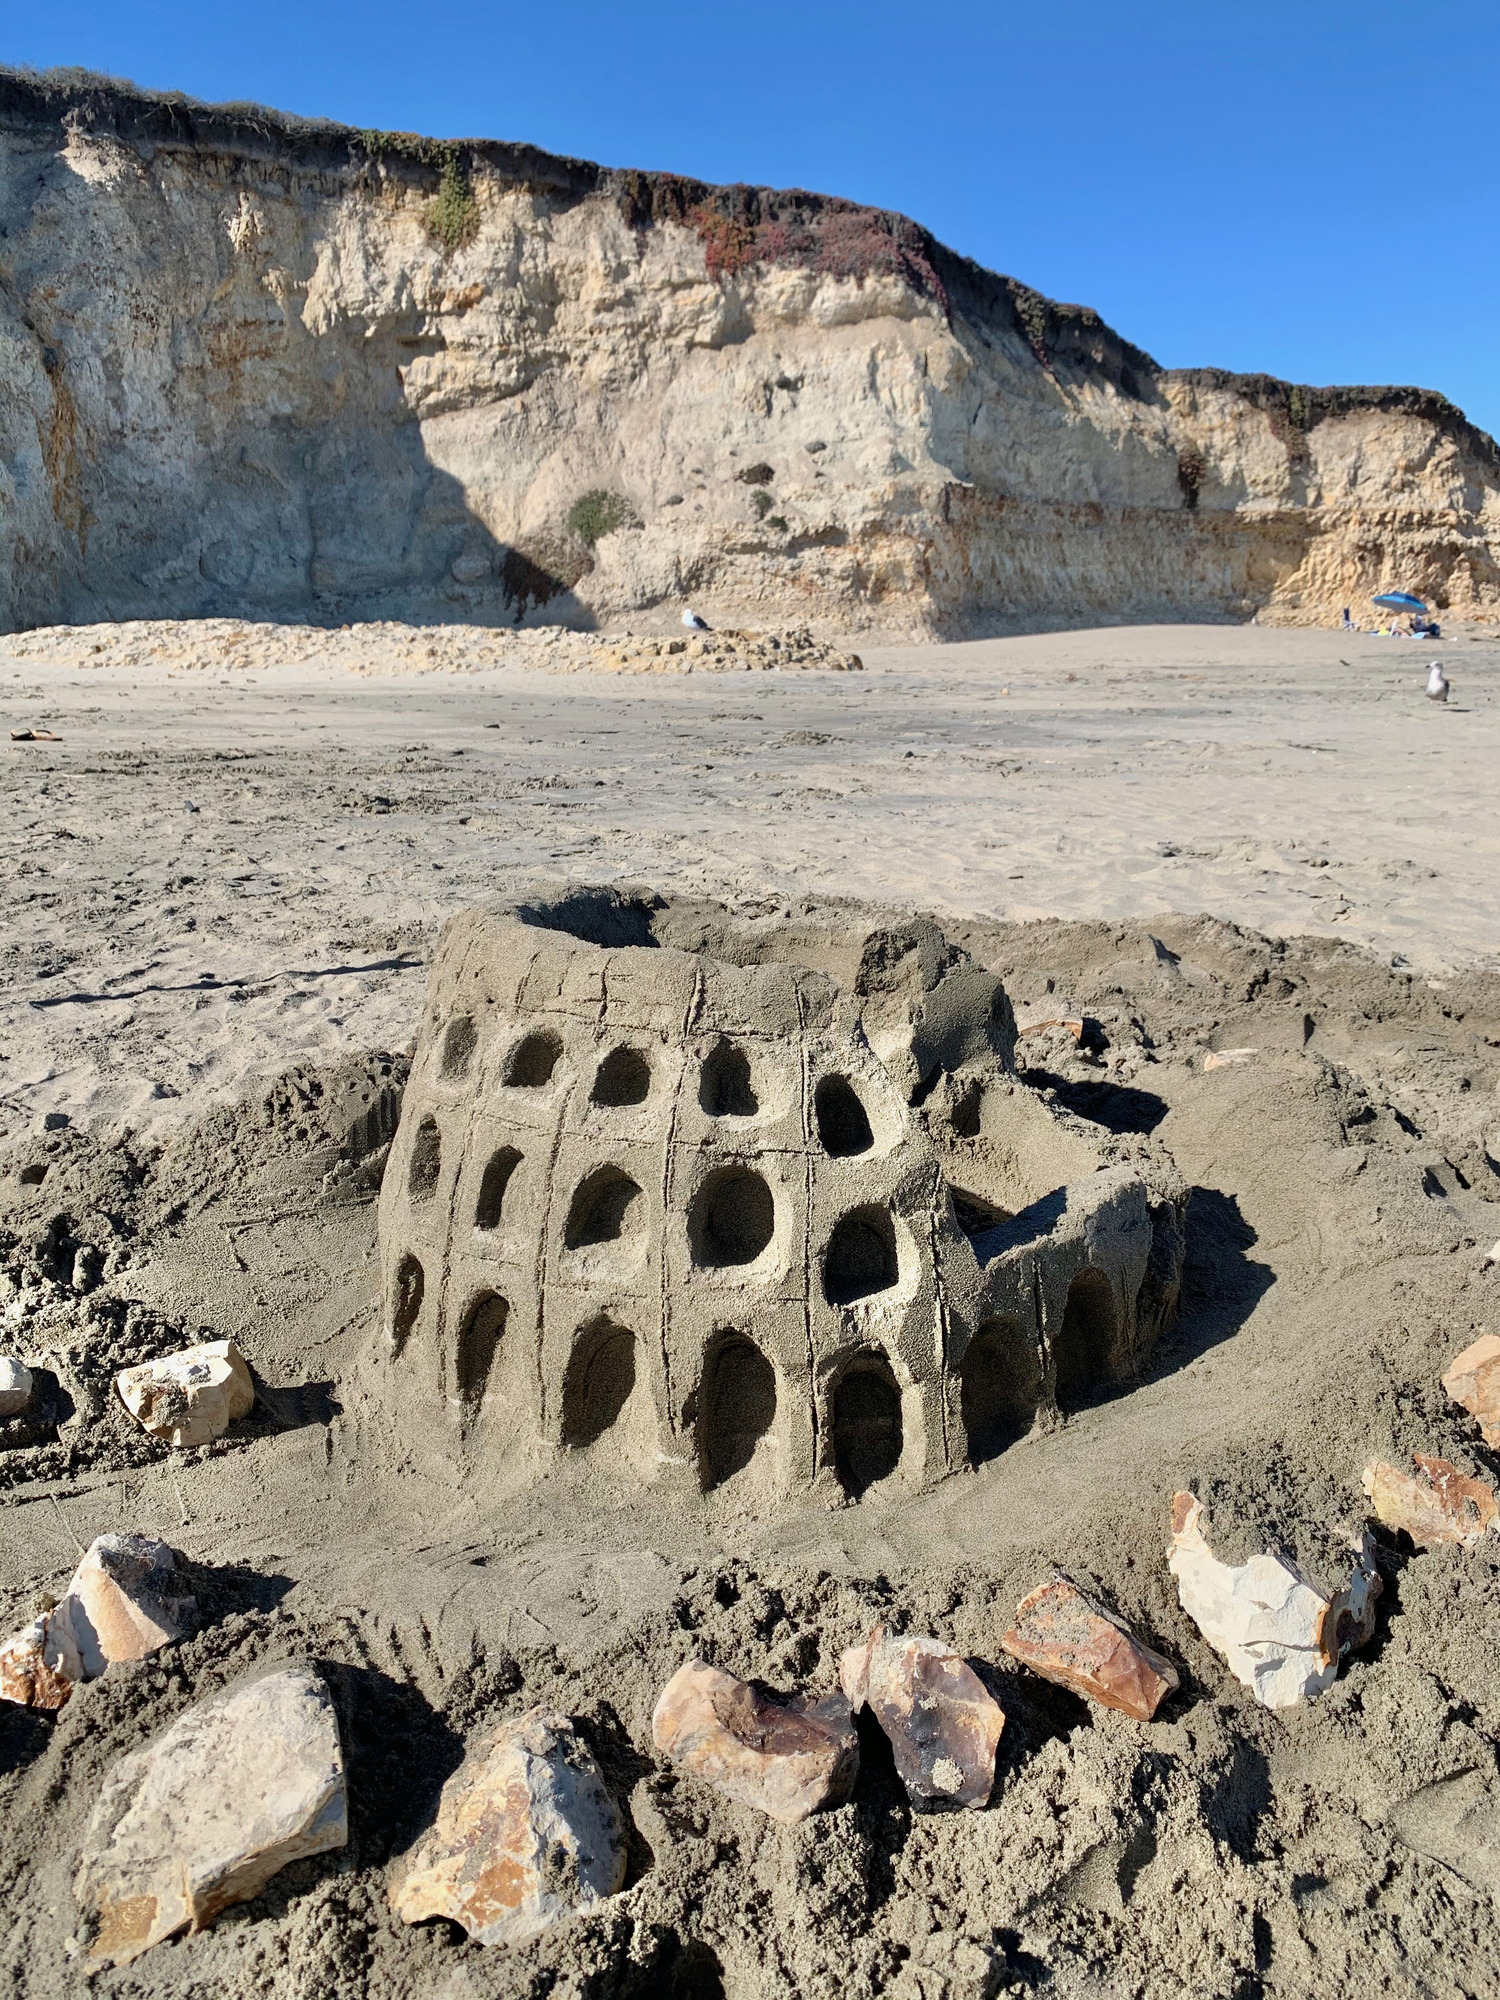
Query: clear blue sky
{"points": [[1307, 189]]}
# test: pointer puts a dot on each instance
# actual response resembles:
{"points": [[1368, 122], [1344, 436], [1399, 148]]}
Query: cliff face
{"points": [[262, 367]]}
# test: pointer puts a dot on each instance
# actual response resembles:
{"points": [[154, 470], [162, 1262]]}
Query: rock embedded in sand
{"points": [[1067, 1636], [942, 1722], [525, 1835], [787, 1760], [1437, 1504], [191, 1397], [25, 1675], [1228, 1058], [223, 1799], [15, 1386], [123, 1603], [1277, 1631], [1473, 1380]]}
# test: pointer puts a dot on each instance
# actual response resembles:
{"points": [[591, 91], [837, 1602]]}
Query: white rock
{"points": [[15, 1386], [1278, 1633], [526, 1834], [210, 1810], [122, 1603], [25, 1676], [190, 1397]]}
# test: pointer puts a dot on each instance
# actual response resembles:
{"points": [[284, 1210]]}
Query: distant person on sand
{"points": [[1348, 622]]}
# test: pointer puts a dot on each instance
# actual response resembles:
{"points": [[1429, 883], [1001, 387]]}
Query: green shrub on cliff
{"points": [[598, 513]]}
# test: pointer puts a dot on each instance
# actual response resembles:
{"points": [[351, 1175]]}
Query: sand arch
{"points": [[600, 1381], [1000, 1384], [489, 1205], [866, 1431], [460, 1039], [531, 1063], [967, 1111], [736, 1407], [732, 1221], [727, 1084], [607, 1207], [1083, 1349], [426, 1162], [843, 1122], [479, 1338], [862, 1257], [623, 1079], [411, 1283]]}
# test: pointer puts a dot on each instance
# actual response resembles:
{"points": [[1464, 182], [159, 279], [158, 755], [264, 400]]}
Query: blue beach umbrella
{"points": [[1399, 600]]}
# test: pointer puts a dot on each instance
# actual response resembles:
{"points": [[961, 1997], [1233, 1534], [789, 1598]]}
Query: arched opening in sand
{"points": [[733, 1219], [726, 1088], [843, 1122], [622, 1079], [531, 1062], [1000, 1379], [865, 1422], [478, 1343], [490, 1205], [407, 1309], [1085, 1341], [599, 1382], [736, 1407], [861, 1259], [426, 1161], [459, 1043]]}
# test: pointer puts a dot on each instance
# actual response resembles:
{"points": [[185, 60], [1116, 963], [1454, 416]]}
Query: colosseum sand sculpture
{"points": [[760, 1206]]}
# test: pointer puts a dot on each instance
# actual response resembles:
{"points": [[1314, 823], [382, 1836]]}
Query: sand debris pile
{"points": [[718, 652], [771, 1226], [387, 646]]}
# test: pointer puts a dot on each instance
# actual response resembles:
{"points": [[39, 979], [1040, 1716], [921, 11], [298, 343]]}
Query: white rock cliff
{"points": [[277, 369]]}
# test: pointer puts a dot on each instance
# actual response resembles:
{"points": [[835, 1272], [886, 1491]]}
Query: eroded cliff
{"points": [[257, 366]]}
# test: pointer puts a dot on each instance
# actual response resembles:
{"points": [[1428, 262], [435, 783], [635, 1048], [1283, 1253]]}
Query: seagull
{"points": [[1437, 683], [693, 622]]}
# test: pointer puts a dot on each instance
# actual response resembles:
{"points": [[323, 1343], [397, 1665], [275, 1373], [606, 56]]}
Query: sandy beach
{"points": [[230, 860], [225, 873]]}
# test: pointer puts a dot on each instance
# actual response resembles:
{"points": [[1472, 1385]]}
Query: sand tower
{"points": [[755, 1205]]}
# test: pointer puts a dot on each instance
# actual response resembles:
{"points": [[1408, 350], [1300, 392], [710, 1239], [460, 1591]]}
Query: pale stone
{"points": [[15, 1386], [25, 1676], [1473, 1380], [1439, 1504], [1067, 1636], [223, 1799], [1279, 1634], [1228, 1058], [122, 1603], [191, 1397], [787, 1760], [942, 1722], [526, 1834]]}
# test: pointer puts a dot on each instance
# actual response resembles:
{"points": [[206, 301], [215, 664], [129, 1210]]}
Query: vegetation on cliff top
{"points": [[740, 227]]}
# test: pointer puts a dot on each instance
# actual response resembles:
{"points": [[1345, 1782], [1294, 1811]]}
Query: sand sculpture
{"points": [[772, 1211]]}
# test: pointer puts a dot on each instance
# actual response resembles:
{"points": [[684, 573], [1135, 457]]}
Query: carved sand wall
{"points": [[768, 1226]]}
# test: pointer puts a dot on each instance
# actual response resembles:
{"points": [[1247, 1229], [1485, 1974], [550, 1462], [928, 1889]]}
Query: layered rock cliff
{"points": [[258, 366]]}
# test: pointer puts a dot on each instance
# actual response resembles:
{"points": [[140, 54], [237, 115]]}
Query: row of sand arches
{"points": [[727, 1086], [731, 1221], [1000, 1380]]}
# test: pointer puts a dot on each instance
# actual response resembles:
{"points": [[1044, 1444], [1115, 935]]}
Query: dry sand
{"points": [[223, 875]]}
